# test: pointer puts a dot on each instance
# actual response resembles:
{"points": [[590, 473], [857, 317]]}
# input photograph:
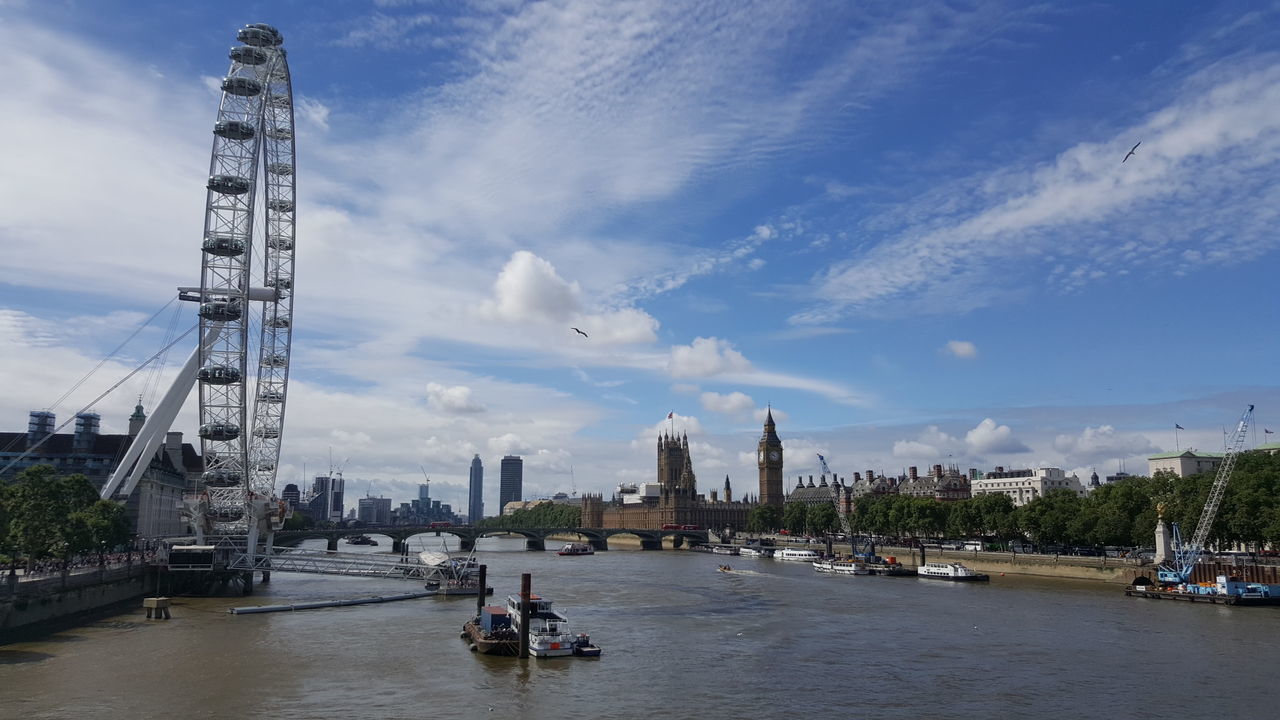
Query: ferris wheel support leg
{"points": [[266, 551], [137, 459]]}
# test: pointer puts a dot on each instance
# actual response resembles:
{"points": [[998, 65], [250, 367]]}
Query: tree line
{"points": [[1122, 513], [46, 516], [543, 515]]}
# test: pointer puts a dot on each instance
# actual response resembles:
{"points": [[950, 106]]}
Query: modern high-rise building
{"points": [[512, 486], [325, 499], [475, 497], [374, 510], [424, 494]]}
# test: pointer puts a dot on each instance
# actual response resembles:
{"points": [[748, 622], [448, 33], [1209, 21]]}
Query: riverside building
{"points": [[1023, 486], [153, 505]]}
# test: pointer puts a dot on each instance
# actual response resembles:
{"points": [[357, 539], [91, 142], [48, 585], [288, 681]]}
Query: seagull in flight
{"points": [[580, 332], [1131, 153]]}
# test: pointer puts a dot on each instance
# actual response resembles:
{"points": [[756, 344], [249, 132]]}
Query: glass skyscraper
{"points": [[511, 488], [475, 499]]}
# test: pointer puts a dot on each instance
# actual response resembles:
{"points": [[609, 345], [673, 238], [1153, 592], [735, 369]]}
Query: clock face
{"points": [[774, 455]]}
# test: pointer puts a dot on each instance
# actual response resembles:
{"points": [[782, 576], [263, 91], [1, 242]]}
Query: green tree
{"points": [[763, 518], [102, 526], [794, 517], [822, 518], [42, 504]]}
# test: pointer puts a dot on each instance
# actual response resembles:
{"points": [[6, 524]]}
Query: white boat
{"points": [[724, 550], [752, 551], [950, 571], [549, 634], [842, 567], [796, 554]]}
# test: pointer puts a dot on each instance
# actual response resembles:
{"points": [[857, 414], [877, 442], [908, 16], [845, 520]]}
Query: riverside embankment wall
{"points": [[1103, 569], [33, 604]]}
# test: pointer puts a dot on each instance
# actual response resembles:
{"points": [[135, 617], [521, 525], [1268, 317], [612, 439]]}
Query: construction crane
{"points": [[837, 497], [1186, 556]]}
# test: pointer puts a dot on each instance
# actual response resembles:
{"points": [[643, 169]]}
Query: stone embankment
{"points": [[1104, 569], [29, 605]]}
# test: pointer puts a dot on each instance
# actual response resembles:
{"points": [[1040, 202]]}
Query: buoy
{"points": [[474, 648]]}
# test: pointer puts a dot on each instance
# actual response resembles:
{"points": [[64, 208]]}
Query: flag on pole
{"points": [[1176, 426], [671, 414], [1267, 432]]}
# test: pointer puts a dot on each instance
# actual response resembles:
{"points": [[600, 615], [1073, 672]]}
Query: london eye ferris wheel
{"points": [[242, 398]]}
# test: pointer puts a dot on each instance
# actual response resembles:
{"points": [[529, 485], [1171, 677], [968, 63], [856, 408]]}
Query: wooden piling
{"points": [[526, 591], [484, 571]]}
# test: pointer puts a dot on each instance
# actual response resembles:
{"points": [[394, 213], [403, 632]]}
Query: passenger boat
{"points": [[754, 551], [549, 634], [577, 548], [841, 567], [950, 571], [796, 554], [724, 550]]}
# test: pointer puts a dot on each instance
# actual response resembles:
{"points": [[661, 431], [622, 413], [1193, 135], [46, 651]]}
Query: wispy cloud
{"points": [[1203, 189]]}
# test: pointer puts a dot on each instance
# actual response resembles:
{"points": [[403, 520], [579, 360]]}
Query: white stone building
{"points": [[1023, 486], [1187, 462]]}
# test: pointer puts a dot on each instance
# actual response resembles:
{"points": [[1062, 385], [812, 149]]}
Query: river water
{"points": [[771, 640]]}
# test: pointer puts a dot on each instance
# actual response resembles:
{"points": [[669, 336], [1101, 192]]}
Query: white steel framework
{"points": [[254, 130]]}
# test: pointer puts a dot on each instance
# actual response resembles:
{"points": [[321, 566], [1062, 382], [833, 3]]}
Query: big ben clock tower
{"points": [[769, 459]]}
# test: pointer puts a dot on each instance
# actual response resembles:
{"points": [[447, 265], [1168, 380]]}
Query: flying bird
{"points": [[1131, 153], [580, 332]]}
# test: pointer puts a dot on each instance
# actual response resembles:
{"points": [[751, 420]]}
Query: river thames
{"points": [[772, 640]]}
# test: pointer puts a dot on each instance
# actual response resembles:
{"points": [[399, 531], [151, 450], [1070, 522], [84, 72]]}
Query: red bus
{"points": [[690, 527], [440, 523], [672, 526]]}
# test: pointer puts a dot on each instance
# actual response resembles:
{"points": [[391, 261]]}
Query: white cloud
{"points": [[931, 445], [678, 424], [508, 444], [455, 399], [1095, 446], [961, 349], [706, 357], [529, 289], [988, 437], [734, 403], [1083, 213]]}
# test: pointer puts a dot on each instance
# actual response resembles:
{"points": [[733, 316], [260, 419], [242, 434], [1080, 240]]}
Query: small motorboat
{"points": [[583, 647], [724, 568]]}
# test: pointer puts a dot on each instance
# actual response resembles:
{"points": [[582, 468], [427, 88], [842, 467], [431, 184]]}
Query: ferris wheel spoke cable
{"points": [[96, 400], [111, 354]]}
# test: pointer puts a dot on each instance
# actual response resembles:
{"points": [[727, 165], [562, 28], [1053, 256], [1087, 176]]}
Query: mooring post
{"points": [[484, 571], [526, 586]]}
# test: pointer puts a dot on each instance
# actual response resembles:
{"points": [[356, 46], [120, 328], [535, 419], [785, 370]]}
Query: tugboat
{"points": [[490, 633], [583, 647]]}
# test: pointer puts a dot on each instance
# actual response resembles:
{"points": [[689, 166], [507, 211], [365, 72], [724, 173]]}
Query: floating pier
{"points": [[253, 609]]}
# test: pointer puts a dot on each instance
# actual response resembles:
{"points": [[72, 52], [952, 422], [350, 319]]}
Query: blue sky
{"points": [[908, 228]]}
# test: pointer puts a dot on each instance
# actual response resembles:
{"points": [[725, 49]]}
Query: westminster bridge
{"points": [[534, 538]]}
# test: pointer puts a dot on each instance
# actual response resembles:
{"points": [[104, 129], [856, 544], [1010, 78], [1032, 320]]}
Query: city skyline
{"points": [[838, 210]]}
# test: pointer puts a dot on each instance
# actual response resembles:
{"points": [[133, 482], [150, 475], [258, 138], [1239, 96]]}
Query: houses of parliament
{"points": [[674, 499]]}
